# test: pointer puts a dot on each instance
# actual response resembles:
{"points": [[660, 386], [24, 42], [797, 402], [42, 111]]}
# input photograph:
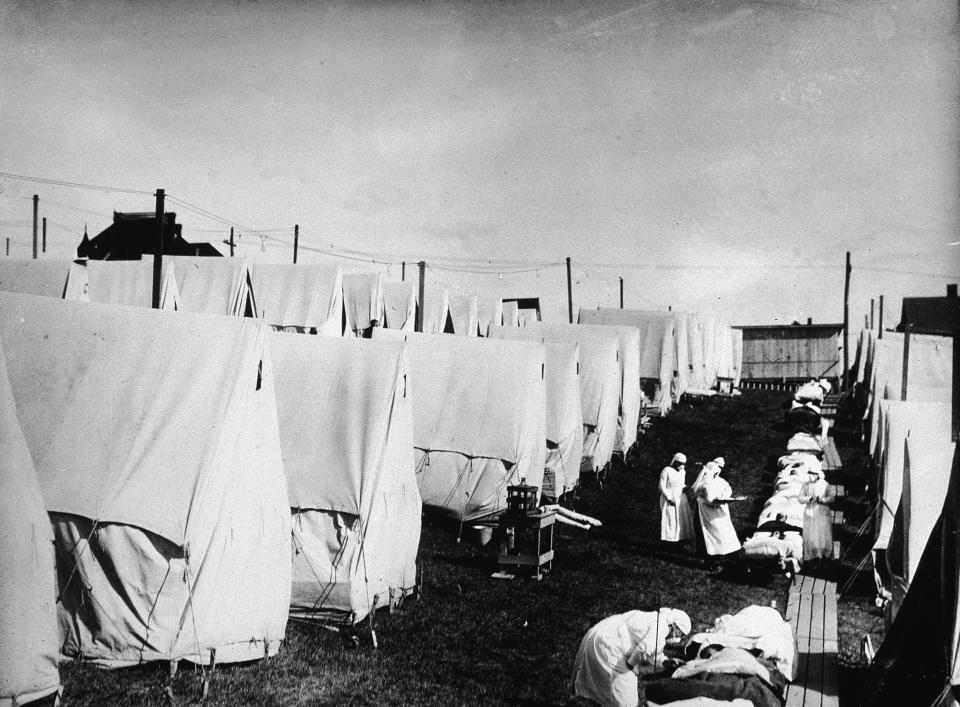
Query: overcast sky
{"points": [[719, 156]]}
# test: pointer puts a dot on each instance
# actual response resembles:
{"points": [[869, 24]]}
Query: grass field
{"points": [[472, 639]]}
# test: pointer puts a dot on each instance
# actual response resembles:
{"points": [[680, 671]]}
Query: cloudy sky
{"points": [[719, 156]]}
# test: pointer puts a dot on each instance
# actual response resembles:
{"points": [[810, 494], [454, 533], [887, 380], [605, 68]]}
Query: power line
{"points": [[908, 272], [75, 185]]}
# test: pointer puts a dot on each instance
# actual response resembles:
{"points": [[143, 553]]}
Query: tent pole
{"points": [[956, 387], [422, 265], [871, 312], [43, 246], [403, 271], [569, 293], [846, 323], [880, 321], [231, 241], [158, 258], [907, 329], [296, 241], [36, 206], [621, 293]]}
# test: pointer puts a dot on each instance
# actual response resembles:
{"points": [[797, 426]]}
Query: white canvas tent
{"points": [[489, 312], [510, 313], [919, 660], [400, 305], [931, 369], [479, 419], [346, 433], [564, 415], [436, 312], [926, 474], [210, 285], [736, 363], [127, 282], [657, 346], [306, 296], [600, 381], [362, 301], [28, 587], [155, 439], [698, 383], [464, 314], [45, 277], [932, 420]]}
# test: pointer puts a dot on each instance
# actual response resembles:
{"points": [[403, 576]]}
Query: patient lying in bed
{"points": [[722, 673]]}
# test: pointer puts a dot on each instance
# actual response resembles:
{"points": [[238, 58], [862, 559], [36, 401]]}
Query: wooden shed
{"points": [[790, 353]]}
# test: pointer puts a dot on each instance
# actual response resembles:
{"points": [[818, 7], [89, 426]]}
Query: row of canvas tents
{"points": [[916, 479], [295, 492], [201, 477], [680, 352], [908, 437]]}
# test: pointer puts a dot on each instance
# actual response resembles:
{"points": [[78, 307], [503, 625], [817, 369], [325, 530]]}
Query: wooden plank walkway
{"points": [[812, 611], [831, 456]]}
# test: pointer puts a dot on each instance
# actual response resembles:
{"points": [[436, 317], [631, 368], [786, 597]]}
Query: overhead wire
{"points": [[75, 185], [449, 263]]}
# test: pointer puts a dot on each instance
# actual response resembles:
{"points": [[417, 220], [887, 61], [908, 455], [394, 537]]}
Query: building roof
{"points": [[792, 328], [133, 235], [931, 315]]}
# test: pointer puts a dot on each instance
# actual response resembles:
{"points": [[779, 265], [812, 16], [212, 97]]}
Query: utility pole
{"points": [[871, 313], [403, 271], [231, 241], [8, 246], [296, 241], [846, 323], [569, 293], [36, 206], [907, 330], [880, 322], [44, 249], [621, 293], [158, 258], [423, 267]]}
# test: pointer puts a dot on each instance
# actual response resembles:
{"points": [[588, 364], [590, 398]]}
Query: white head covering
{"points": [[825, 384], [709, 471], [678, 458], [720, 461], [675, 617]]}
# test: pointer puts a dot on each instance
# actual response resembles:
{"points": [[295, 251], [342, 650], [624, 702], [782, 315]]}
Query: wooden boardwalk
{"points": [[831, 456], [812, 611]]}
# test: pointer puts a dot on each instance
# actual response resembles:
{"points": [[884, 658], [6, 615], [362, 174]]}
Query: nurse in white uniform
{"points": [[676, 515], [713, 495], [613, 652]]}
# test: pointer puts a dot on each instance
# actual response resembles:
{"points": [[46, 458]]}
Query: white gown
{"points": [[719, 537], [676, 515], [600, 672]]}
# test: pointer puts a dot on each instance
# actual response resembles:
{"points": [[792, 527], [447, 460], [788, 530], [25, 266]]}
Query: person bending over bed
{"points": [[614, 651]]}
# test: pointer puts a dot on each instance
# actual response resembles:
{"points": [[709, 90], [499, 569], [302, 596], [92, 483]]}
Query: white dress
{"points": [[817, 520], [719, 537], [676, 515], [600, 672]]}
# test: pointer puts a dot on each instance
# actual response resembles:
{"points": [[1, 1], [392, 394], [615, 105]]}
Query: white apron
{"points": [[719, 537], [676, 515]]}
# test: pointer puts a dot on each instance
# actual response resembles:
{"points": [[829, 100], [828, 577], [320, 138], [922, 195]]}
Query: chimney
{"points": [[952, 290], [809, 321]]}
